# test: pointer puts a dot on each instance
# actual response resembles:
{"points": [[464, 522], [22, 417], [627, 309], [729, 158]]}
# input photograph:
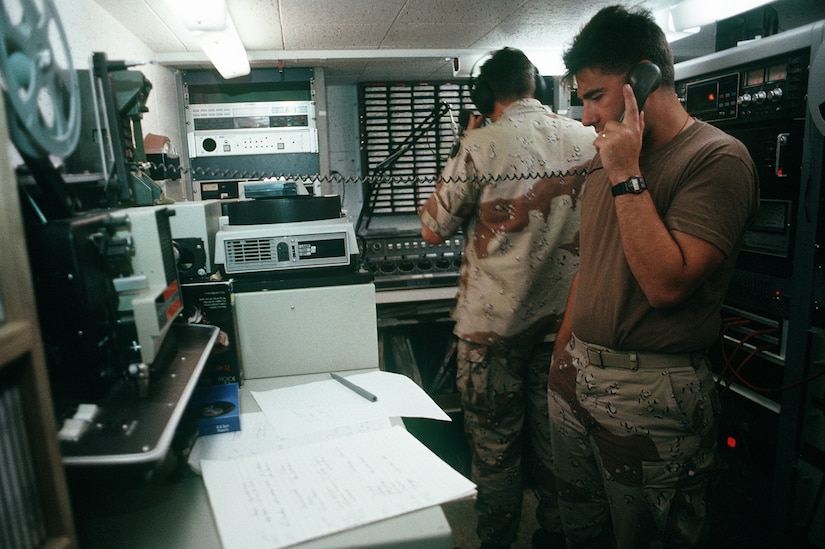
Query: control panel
{"points": [[273, 127], [763, 90], [407, 261], [254, 142]]}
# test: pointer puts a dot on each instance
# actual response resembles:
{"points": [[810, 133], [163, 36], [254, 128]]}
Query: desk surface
{"points": [[415, 295], [172, 510]]}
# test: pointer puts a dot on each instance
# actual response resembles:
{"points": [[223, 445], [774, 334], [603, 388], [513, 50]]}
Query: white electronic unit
{"points": [[269, 127], [152, 291], [286, 246], [194, 226]]}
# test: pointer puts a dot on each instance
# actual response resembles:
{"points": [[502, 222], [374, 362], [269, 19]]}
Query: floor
{"points": [[462, 519], [447, 440]]}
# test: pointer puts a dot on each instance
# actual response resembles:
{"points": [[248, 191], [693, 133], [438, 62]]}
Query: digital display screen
{"points": [[246, 122], [289, 121], [317, 249], [714, 98], [703, 97]]}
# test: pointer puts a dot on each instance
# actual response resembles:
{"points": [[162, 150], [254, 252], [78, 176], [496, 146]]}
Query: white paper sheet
{"points": [[323, 405], [258, 436], [297, 494]]}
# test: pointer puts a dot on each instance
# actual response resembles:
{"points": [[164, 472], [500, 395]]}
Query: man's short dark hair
{"points": [[509, 73], [615, 40]]}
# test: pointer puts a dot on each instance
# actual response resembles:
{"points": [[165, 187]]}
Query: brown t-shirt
{"points": [[703, 183]]}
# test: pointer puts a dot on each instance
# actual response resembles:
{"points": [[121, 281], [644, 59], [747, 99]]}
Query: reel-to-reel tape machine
{"points": [[102, 261]]}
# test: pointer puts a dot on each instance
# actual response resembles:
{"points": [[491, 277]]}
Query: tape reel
{"points": [[40, 85]]}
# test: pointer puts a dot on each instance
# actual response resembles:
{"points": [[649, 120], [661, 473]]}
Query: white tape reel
{"points": [[40, 85]]}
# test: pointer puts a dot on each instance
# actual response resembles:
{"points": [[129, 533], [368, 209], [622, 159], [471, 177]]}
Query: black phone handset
{"points": [[644, 78]]}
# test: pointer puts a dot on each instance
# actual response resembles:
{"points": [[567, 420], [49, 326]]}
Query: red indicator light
{"points": [[711, 97], [731, 442]]}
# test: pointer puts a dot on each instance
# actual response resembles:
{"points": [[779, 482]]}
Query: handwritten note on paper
{"points": [[258, 436], [322, 405], [297, 494]]}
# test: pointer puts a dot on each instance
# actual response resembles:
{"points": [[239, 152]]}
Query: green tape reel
{"points": [[40, 85]]}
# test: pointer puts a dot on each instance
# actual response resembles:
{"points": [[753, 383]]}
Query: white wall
{"points": [[89, 28], [344, 144]]}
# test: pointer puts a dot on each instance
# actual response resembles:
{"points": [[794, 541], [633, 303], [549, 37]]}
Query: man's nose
{"points": [[589, 117]]}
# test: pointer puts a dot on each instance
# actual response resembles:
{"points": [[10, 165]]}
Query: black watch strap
{"points": [[635, 184]]}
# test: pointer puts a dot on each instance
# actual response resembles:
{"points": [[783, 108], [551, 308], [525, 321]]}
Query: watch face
{"points": [[634, 184]]}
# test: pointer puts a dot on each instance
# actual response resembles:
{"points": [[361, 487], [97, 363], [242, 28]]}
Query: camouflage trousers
{"points": [[504, 399], [634, 449]]}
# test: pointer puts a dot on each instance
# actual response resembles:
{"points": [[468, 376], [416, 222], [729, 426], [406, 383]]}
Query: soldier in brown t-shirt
{"points": [[633, 406]]}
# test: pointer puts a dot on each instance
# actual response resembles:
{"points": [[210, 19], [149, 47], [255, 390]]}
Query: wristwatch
{"points": [[634, 185]]}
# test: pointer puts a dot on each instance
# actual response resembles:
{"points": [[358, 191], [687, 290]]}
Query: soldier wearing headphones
{"points": [[513, 187]]}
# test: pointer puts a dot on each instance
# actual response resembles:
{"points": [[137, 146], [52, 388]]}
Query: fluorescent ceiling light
{"points": [[548, 60], [213, 29], [225, 50]]}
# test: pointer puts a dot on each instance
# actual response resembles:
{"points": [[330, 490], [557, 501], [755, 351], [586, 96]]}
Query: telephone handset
{"points": [[644, 78]]}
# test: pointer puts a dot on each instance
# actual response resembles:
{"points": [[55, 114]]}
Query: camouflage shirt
{"points": [[513, 187]]}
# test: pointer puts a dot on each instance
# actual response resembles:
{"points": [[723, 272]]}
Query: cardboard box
{"points": [[214, 303], [216, 408]]}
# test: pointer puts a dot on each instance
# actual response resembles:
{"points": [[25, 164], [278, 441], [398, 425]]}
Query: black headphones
{"points": [[482, 93]]}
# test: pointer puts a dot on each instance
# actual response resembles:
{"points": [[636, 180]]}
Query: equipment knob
{"points": [[744, 99], [760, 96], [775, 94]]}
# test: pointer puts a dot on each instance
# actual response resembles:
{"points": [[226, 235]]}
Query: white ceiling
{"points": [[367, 40]]}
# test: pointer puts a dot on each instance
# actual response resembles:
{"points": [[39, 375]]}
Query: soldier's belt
{"points": [[633, 360]]}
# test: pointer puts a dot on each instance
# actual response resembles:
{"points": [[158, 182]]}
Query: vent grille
{"points": [[250, 254]]}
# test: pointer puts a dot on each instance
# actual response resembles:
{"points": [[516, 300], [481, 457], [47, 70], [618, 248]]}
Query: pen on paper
{"points": [[350, 385]]}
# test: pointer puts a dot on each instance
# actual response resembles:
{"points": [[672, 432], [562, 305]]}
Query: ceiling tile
{"points": [[333, 36], [352, 12]]}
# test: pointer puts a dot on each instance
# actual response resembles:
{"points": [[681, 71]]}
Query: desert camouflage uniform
{"points": [[520, 226], [611, 464]]}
